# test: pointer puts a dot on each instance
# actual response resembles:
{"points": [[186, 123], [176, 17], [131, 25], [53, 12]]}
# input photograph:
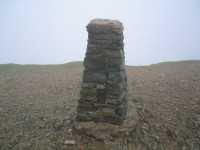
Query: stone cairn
{"points": [[104, 82]]}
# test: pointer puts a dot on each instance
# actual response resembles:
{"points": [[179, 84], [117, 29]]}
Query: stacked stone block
{"points": [[104, 82]]}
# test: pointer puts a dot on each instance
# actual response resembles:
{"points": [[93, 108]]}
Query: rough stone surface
{"points": [[115, 90], [88, 85], [103, 87], [85, 107], [94, 62], [88, 94], [110, 53], [92, 76], [104, 26], [111, 46], [116, 76], [117, 101], [105, 131]]}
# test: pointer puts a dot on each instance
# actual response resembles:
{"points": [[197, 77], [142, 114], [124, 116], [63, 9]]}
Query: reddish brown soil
{"points": [[38, 103]]}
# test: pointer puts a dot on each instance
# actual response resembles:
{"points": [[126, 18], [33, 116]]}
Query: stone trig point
{"points": [[103, 104]]}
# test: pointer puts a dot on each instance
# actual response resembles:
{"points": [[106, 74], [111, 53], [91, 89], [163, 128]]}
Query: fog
{"points": [[54, 32]]}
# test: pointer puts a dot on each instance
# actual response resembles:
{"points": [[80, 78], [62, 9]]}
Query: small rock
{"points": [[64, 147], [196, 125], [194, 103], [198, 132], [124, 147], [176, 133], [26, 137], [169, 133], [139, 107], [81, 147], [157, 139], [67, 118], [160, 147], [69, 142], [58, 126], [68, 122], [184, 147], [21, 132], [69, 130], [154, 145]]}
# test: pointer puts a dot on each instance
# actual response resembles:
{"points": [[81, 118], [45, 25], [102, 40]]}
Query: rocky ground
{"points": [[38, 103]]}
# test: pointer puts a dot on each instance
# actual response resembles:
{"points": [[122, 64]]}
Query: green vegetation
{"points": [[70, 64], [177, 62], [170, 63], [80, 64], [74, 64]]}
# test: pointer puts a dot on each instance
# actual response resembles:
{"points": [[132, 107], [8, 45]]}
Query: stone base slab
{"points": [[105, 131]]}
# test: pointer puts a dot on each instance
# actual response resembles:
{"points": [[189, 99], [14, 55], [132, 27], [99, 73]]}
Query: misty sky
{"points": [[54, 31]]}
